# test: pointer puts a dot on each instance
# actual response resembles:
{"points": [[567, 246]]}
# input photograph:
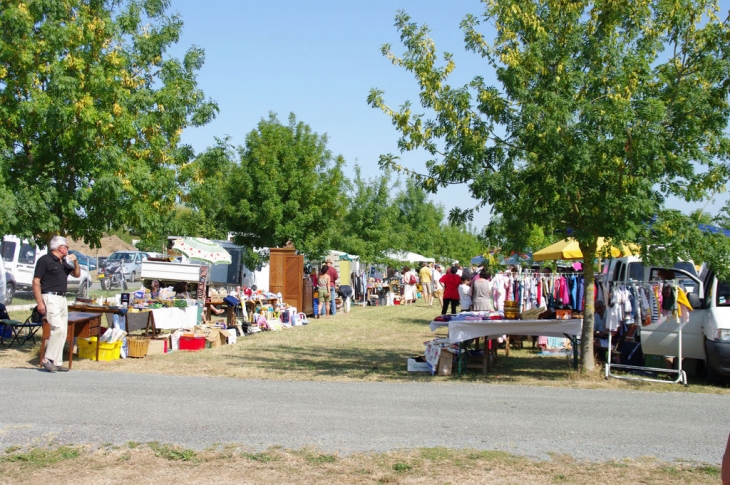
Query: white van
{"points": [[20, 258], [706, 337]]}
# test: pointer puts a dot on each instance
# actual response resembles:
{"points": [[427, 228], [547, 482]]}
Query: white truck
{"points": [[20, 258], [706, 337]]}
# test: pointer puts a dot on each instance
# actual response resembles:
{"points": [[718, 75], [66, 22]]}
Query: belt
{"points": [[58, 293]]}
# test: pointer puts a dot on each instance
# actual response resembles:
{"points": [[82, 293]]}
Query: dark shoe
{"points": [[61, 368], [48, 365]]}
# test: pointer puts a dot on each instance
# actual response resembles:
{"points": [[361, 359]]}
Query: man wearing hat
{"points": [[332, 271]]}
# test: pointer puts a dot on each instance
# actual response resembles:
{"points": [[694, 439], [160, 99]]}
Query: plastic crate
{"points": [[107, 351], [192, 343]]}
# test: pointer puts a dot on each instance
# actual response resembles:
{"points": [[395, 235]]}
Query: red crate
{"points": [[192, 343]]}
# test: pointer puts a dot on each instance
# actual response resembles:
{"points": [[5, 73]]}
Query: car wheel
{"points": [[133, 277], [124, 283], [9, 293], [83, 291]]}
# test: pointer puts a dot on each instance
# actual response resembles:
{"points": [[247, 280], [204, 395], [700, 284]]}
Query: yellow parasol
{"points": [[569, 249]]}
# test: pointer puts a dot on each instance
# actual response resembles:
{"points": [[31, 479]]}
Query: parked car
{"points": [[20, 258], [131, 263], [86, 261]]}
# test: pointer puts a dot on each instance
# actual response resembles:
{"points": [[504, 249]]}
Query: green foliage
{"points": [[604, 109], [42, 457], [287, 186], [369, 226], [92, 110], [402, 467], [171, 452]]}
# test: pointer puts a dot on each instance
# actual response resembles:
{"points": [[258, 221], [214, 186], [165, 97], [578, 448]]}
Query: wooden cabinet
{"points": [[286, 275]]}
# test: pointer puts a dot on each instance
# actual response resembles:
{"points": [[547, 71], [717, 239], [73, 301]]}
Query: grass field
{"points": [[368, 344]]}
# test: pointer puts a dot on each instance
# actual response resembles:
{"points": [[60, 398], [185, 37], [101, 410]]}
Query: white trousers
{"points": [[57, 317]]}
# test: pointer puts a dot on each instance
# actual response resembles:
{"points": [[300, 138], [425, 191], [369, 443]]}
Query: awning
{"points": [[569, 249]]}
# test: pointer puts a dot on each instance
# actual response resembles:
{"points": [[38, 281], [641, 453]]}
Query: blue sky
{"points": [[319, 59]]}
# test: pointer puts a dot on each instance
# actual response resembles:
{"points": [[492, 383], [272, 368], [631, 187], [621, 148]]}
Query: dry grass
{"points": [[154, 463], [369, 344]]}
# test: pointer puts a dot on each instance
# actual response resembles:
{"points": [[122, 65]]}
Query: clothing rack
{"points": [[681, 374]]}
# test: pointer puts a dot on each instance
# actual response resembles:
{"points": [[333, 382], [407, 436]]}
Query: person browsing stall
{"points": [[181, 290], [154, 289], [50, 282], [451, 282], [334, 276], [438, 288], [425, 276], [465, 293], [323, 285]]}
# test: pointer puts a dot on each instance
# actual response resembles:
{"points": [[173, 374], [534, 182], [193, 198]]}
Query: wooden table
{"points": [[80, 325], [122, 311]]}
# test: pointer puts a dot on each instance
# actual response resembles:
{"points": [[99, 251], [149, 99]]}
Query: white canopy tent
{"points": [[408, 257]]}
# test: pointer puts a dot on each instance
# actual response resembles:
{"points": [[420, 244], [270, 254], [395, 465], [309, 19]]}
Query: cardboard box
{"points": [[417, 364], [217, 337], [445, 363], [157, 346]]}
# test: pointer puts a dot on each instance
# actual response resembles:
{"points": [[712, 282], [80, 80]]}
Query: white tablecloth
{"points": [[460, 330], [172, 318]]}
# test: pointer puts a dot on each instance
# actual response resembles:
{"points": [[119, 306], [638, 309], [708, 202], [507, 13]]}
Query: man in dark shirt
{"points": [[332, 271], [49, 289], [345, 291]]}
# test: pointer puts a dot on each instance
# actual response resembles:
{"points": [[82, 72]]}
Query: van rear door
{"points": [[662, 338], [25, 268]]}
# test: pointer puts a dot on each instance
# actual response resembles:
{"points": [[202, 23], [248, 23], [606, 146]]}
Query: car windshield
{"points": [[120, 257]]}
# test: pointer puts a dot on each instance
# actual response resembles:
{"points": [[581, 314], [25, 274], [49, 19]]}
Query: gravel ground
{"points": [[96, 407]]}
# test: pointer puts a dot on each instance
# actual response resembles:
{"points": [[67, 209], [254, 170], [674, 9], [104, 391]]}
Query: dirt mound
{"points": [[109, 244]]}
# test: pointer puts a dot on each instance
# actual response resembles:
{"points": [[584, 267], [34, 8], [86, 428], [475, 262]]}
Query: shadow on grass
{"points": [[358, 363]]}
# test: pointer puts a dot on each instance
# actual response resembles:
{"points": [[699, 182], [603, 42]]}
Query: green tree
{"points": [[418, 222], [92, 109], [457, 241], [204, 191], [287, 187], [604, 109], [369, 225]]}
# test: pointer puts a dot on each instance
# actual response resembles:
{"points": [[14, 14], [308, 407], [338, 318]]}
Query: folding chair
{"points": [[13, 329]]}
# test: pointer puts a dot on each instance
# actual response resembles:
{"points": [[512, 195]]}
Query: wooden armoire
{"points": [[286, 275]]}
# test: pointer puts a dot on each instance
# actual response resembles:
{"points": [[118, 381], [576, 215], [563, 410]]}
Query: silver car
{"points": [[131, 263]]}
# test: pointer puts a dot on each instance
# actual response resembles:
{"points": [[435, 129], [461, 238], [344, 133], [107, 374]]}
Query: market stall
{"points": [[467, 326]]}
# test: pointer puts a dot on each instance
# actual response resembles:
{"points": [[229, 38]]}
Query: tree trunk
{"points": [[587, 360]]}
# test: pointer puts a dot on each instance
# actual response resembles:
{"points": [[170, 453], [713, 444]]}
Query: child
{"points": [[465, 294]]}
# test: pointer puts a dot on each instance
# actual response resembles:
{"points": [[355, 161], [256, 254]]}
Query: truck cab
{"points": [[706, 337]]}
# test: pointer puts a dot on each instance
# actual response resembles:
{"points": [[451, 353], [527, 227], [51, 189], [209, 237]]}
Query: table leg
{"points": [[71, 332], [461, 358], [43, 339], [574, 340], [485, 360]]}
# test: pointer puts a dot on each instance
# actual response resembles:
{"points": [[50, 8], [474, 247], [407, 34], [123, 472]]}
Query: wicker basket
{"points": [[138, 346]]}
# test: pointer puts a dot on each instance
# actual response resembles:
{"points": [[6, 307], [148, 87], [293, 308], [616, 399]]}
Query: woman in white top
{"points": [[465, 294], [410, 280], [438, 288]]}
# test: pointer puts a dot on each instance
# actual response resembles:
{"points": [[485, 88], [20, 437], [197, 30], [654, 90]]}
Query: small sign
{"points": [[202, 283], [124, 299]]}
